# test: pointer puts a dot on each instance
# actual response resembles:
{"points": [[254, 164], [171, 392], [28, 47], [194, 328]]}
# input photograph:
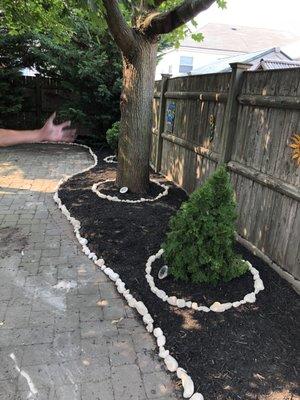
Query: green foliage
{"points": [[88, 67], [199, 244], [11, 98], [56, 17], [112, 136]]}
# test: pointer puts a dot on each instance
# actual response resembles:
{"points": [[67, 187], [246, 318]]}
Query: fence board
{"points": [[265, 178]]}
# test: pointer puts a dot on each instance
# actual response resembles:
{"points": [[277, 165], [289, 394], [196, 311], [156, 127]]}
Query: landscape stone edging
{"points": [[216, 306], [117, 199], [170, 362]]}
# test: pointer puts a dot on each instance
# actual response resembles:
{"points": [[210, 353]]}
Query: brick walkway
{"points": [[65, 333]]}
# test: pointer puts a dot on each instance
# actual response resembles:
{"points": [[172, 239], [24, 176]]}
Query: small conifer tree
{"points": [[199, 246]]}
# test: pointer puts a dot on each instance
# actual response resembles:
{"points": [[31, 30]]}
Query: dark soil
{"points": [[244, 353], [109, 188]]}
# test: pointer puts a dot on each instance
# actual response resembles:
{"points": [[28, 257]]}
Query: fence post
{"points": [[161, 120], [230, 117]]}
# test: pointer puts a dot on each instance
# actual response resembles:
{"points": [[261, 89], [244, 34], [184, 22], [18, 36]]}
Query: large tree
{"points": [[136, 26], [138, 44]]}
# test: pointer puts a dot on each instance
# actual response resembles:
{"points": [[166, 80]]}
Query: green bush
{"points": [[112, 136], [88, 68], [199, 246]]}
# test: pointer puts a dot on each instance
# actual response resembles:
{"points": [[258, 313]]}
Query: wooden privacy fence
{"points": [[42, 96], [245, 120]]}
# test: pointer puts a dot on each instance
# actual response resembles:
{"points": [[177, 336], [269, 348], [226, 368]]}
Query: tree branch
{"points": [[168, 21], [118, 27]]}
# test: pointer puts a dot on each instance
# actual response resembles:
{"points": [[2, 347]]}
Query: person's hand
{"points": [[57, 133]]}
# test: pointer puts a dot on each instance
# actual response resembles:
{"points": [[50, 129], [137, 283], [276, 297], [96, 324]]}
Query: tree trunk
{"points": [[136, 116]]}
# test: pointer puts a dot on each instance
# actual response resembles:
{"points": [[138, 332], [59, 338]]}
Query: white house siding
{"points": [[170, 62]]}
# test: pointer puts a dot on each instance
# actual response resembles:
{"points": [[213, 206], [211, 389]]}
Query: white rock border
{"points": [[170, 362], [117, 199], [216, 306], [111, 159]]}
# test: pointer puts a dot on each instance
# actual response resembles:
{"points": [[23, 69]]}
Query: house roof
{"points": [[240, 39], [277, 56], [277, 64]]}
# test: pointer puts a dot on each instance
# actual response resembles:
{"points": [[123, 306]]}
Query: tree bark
{"points": [[136, 115]]}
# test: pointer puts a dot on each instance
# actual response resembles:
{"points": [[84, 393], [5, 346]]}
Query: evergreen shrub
{"points": [[199, 246]]}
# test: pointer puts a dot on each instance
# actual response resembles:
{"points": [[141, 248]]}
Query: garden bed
{"points": [[246, 352]]}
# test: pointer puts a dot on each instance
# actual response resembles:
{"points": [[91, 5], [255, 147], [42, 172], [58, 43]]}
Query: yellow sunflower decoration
{"points": [[295, 145]]}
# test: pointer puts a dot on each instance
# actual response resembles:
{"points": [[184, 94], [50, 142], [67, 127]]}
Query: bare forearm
{"points": [[11, 137]]}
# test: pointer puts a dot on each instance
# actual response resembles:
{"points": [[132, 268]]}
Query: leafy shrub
{"points": [[112, 136], [87, 66], [199, 246], [11, 99]]}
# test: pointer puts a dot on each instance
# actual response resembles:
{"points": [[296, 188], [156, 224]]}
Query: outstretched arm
{"points": [[48, 133]]}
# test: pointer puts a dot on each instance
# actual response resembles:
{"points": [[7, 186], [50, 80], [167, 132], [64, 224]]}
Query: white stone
{"points": [[92, 255], [149, 278], [258, 285], [148, 270], [152, 286], [148, 319], [188, 304], [204, 309], [172, 300], [141, 308], [236, 304], [188, 386], [227, 306], [132, 303], [100, 262], [109, 272], [154, 289], [180, 372], [114, 276], [217, 307], [149, 328], [163, 353], [250, 297], [159, 253], [161, 294], [151, 259], [121, 289], [161, 341], [128, 296], [171, 363], [157, 332], [195, 306], [197, 396], [180, 303], [87, 251]]}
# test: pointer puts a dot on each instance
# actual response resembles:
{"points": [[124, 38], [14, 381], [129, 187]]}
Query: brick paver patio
{"points": [[65, 333]]}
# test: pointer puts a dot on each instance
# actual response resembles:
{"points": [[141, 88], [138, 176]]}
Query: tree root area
{"points": [[110, 189], [244, 353]]}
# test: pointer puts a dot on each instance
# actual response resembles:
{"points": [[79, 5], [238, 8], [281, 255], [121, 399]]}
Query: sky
{"points": [[272, 14]]}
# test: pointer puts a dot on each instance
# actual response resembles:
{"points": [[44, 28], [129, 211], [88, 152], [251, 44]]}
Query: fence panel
{"points": [[265, 178]]}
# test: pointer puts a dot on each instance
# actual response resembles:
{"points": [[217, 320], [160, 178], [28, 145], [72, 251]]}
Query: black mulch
{"points": [[244, 353]]}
